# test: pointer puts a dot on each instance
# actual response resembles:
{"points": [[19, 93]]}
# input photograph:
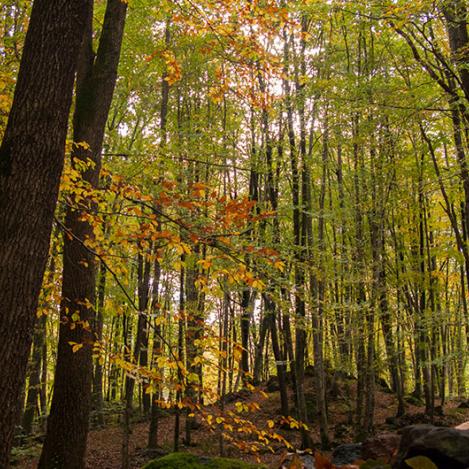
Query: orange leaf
{"points": [[322, 462]]}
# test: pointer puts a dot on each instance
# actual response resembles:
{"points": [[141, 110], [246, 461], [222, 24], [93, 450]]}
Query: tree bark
{"points": [[31, 161], [67, 426]]}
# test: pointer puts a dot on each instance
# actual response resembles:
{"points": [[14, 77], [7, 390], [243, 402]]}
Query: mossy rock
{"points": [[190, 461]]}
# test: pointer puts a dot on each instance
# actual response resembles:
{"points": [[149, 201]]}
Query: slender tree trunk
{"points": [[34, 377], [143, 281], [194, 331], [180, 349], [141, 343], [155, 307], [38, 361], [98, 369], [318, 314]]}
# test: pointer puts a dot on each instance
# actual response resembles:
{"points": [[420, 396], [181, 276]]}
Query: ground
{"points": [[104, 445]]}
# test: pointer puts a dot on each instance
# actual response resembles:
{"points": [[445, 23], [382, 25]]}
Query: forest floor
{"points": [[104, 445]]}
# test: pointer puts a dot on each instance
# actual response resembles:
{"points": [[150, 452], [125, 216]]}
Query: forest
{"points": [[234, 234]]}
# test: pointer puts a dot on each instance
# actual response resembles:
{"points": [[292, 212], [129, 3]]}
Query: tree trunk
{"points": [[34, 377], [318, 314], [98, 368], [67, 426], [31, 161], [194, 331]]}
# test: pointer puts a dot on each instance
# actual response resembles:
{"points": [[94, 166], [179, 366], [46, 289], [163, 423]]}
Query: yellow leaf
{"points": [[420, 462], [159, 321], [75, 346]]}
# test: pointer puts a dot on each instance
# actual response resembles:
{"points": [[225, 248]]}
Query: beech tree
{"points": [[31, 161], [67, 424]]}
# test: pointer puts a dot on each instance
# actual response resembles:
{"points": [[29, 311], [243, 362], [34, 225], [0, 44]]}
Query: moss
{"points": [[225, 463], [189, 461], [175, 461]]}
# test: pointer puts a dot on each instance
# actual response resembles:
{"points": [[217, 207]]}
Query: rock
{"points": [[445, 447], [346, 454], [445, 420], [304, 460], [381, 447], [408, 419], [190, 461], [463, 426]]}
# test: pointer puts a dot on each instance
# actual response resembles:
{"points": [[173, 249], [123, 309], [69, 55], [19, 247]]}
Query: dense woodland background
{"points": [[251, 189]]}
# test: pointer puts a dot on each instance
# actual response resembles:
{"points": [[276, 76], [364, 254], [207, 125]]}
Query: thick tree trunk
{"points": [[31, 161], [455, 12], [67, 426]]}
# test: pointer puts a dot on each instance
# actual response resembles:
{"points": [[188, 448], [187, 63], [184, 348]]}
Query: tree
{"points": [[31, 161], [67, 426]]}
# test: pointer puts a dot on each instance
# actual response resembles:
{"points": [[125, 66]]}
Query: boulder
{"points": [[445, 447], [463, 426], [449, 420], [381, 447], [298, 459], [346, 454]]}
